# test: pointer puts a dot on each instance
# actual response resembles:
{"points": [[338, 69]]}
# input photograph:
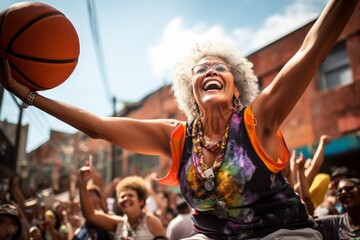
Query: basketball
{"points": [[40, 43]]}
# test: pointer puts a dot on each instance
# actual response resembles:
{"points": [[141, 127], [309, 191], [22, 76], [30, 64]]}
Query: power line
{"points": [[98, 49]]}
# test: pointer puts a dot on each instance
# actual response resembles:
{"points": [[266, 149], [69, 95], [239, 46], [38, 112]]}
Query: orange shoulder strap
{"points": [[177, 145]]}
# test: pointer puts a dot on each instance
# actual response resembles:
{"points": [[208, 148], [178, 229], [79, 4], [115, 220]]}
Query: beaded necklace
{"points": [[212, 146], [198, 140], [133, 227]]}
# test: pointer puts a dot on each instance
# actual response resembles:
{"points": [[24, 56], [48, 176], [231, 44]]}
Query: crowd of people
{"points": [[142, 211], [139, 212], [229, 158]]}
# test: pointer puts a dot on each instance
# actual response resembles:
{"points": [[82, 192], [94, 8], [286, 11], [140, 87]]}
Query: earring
{"points": [[237, 104]]}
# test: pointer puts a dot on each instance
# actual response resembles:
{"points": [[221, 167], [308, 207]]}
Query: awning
{"points": [[337, 146]]}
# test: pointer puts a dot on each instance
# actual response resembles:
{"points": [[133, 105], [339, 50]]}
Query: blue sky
{"points": [[141, 40]]}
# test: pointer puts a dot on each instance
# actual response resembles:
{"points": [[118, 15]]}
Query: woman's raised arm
{"points": [[277, 100]]}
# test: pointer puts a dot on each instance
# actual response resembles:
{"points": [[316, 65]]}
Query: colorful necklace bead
{"points": [[212, 146], [198, 141]]}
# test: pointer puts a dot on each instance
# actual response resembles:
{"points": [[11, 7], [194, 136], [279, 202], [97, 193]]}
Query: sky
{"points": [[140, 41]]}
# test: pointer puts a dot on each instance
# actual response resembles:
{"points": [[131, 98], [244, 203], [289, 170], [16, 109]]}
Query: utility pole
{"points": [[113, 146], [17, 139]]}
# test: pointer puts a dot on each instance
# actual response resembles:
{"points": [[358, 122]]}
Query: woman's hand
{"points": [[5, 76], [9, 83], [85, 174], [326, 139]]}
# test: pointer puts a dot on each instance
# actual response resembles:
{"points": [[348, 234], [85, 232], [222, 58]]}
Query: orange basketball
{"points": [[40, 42]]}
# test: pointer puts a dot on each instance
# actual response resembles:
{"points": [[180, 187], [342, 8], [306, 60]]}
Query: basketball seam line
{"points": [[18, 33], [34, 59], [25, 77]]}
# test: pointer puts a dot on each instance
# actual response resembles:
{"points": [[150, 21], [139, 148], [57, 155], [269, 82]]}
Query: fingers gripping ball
{"points": [[40, 42]]}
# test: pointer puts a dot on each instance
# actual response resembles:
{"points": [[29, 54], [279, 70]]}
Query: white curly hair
{"points": [[241, 68]]}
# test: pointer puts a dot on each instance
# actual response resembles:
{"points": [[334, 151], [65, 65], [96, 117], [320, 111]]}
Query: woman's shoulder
{"points": [[329, 226], [329, 220], [151, 218], [153, 223]]}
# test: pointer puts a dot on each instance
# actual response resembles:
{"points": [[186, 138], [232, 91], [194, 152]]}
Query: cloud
{"points": [[176, 37], [278, 25]]}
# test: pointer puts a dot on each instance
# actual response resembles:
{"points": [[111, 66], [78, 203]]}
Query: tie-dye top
{"points": [[258, 198]]}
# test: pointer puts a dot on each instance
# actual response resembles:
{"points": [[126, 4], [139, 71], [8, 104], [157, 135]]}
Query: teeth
{"points": [[214, 85], [127, 204]]}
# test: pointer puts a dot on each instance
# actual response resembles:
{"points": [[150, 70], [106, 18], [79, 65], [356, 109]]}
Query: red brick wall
{"points": [[335, 111]]}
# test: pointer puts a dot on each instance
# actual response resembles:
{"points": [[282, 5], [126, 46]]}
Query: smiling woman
{"points": [[227, 158], [230, 60], [131, 194], [347, 225]]}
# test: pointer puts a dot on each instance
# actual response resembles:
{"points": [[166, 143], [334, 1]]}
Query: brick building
{"points": [[331, 103], [55, 162]]}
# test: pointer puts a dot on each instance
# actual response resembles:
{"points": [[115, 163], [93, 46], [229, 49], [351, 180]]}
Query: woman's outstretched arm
{"points": [[143, 136]]}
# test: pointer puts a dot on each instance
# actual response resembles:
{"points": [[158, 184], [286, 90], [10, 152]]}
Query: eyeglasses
{"points": [[203, 68], [346, 189]]}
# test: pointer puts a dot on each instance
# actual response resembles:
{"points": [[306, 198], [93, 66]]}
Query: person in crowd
{"points": [[60, 210], [338, 173], [15, 191], [12, 200], [10, 222], [52, 228], [346, 225], [303, 174], [131, 195], [96, 197], [74, 215], [35, 233], [88, 230], [229, 155], [303, 187], [167, 211], [181, 226], [312, 166], [327, 207], [109, 193], [317, 182], [97, 180], [155, 202]]}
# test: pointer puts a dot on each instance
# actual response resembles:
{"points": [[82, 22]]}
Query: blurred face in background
{"points": [[8, 227], [129, 202], [34, 233], [348, 195]]}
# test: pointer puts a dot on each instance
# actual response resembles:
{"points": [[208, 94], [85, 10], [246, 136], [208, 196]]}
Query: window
{"points": [[335, 71]]}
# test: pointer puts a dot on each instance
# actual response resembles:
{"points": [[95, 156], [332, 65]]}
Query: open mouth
{"points": [[126, 204], [212, 85]]}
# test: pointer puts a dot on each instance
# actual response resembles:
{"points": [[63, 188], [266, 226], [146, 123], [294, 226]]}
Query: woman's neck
{"points": [[214, 123], [133, 218]]}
